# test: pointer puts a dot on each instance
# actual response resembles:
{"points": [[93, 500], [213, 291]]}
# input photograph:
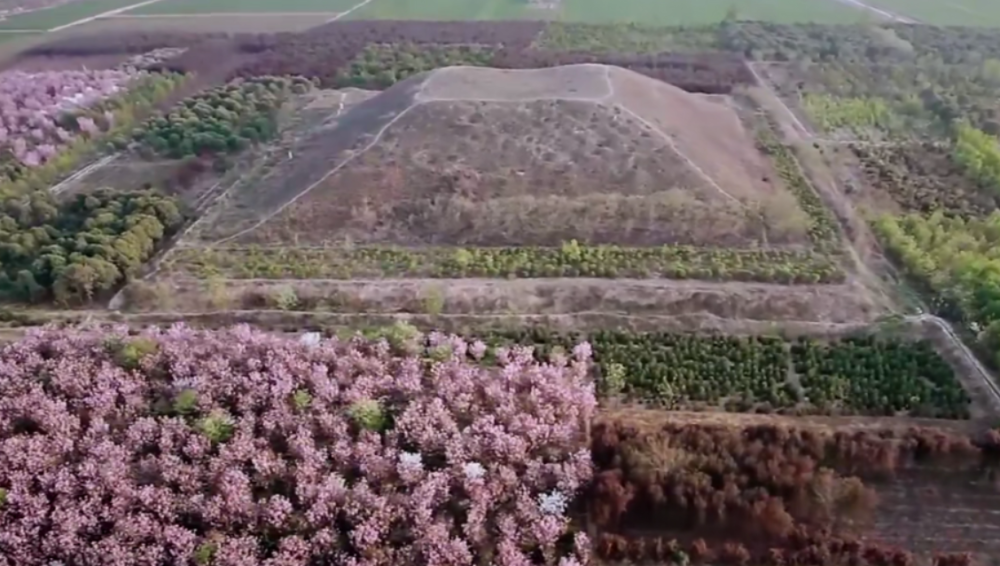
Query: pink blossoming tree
{"points": [[238, 448]]}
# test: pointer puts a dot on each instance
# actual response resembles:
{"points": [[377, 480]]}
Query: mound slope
{"points": [[475, 156]]}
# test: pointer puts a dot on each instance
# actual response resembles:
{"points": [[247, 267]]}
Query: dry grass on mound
{"points": [[485, 157]]}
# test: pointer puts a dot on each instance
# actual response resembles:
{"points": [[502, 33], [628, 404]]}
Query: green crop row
{"points": [[381, 66], [856, 114], [569, 260], [823, 231]]}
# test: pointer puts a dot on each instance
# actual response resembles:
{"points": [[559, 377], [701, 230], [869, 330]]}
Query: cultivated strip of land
{"points": [[219, 14], [70, 15]]}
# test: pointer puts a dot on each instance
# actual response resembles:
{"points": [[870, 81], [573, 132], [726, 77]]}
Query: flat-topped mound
{"points": [[475, 156]]}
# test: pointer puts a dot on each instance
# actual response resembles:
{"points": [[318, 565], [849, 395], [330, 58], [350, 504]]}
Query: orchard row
{"points": [[856, 375], [570, 260]]}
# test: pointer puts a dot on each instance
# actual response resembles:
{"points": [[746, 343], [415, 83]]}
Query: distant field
{"points": [[945, 12], [65, 14], [203, 23], [12, 43], [450, 10], [245, 6], [662, 12], [675, 12], [9, 37]]}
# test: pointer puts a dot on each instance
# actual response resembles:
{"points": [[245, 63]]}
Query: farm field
{"points": [[692, 12], [451, 10], [197, 23], [12, 37], [173, 7], [65, 14], [953, 13], [672, 12]]}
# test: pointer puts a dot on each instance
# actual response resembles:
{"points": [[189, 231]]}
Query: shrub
{"points": [[236, 447]]}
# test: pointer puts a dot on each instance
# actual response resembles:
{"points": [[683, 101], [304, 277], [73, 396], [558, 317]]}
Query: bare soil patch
{"points": [[66, 63], [482, 157], [923, 508], [940, 511], [704, 129], [653, 418], [760, 302], [297, 322]]}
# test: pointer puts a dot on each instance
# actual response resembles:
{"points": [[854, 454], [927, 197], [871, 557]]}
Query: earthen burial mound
{"points": [[475, 156]]}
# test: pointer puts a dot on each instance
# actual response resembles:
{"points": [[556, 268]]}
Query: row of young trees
{"points": [[978, 154], [225, 119], [955, 260], [879, 377], [858, 115], [924, 179], [74, 251], [762, 494], [856, 375], [572, 259]]}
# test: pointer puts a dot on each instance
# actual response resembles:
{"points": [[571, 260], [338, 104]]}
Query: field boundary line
{"points": [[526, 316], [217, 15], [348, 11], [102, 15], [579, 281], [898, 18]]}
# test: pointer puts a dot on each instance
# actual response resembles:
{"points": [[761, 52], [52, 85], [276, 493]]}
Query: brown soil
{"points": [[652, 418], [470, 156], [704, 129], [923, 510], [541, 297], [296, 322], [940, 511], [66, 63], [132, 174], [275, 23]]}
